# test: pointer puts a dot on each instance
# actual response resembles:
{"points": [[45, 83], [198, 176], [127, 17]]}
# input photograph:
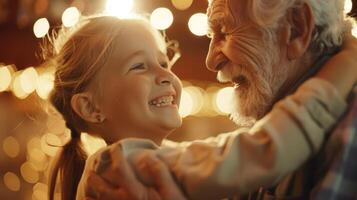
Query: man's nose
{"points": [[212, 57]]}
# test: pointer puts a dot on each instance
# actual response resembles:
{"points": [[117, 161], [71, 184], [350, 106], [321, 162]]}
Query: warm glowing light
{"points": [[29, 173], [161, 18], [40, 191], [28, 80], [119, 8], [12, 181], [5, 78], [198, 24], [11, 147], [55, 124], [182, 4], [223, 100], [354, 31], [70, 16], [196, 94], [186, 104], [348, 6], [92, 144], [45, 85], [50, 144], [41, 27], [17, 89]]}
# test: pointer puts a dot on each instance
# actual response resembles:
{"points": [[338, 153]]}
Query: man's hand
{"points": [[113, 178]]}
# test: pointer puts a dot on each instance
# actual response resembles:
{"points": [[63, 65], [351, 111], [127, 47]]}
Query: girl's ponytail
{"points": [[69, 166]]}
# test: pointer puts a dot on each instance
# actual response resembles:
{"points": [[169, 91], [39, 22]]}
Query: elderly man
{"points": [[267, 48]]}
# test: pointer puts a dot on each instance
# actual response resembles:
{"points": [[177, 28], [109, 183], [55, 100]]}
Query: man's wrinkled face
{"points": [[240, 53]]}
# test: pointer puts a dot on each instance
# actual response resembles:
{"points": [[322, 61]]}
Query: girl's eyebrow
{"points": [[136, 53]]}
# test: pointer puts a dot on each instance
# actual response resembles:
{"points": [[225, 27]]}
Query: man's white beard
{"points": [[251, 103], [254, 98]]}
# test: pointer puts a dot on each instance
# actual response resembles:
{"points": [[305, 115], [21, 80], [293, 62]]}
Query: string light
{"points": [[28, 80], [11, 147], [198, 24], [223, 100], [12, 181], [186, 104], [17, 90], [29, 173], [5, 78], [196, 94], [45, 85], [161, 18], [348, 6], [70, 16], [119, 8], [41, 27], [181, 4]]}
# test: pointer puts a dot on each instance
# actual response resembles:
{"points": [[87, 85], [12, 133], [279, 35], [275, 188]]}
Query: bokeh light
{"points": [[28, 80], [50, 144], [41, 27], [186, 104], [161, 18], [5, 78], [181, 4], [348, 6], [11, 147], [196, 94], [17, 89], [12, 181], [354, 31], [119, 8], [45, 85], [198, 24], [92, 144], [29, 173], [70, 16], [223, 100], [40, 191]]}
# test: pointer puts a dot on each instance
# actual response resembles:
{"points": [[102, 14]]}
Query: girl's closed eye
{"points": [[165, 65], [137, 66]]}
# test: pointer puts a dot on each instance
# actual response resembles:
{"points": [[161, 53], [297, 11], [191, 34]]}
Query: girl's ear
{"points": [[84, 106]]}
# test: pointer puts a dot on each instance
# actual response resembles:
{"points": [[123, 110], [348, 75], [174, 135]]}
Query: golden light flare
{"points": [[50, 144], [198, 24], [29, 173], [119, 8], [41, 27], [11, 147], [28, 80], [186, 104], [12, 181], [181, 4], [224, 100], [45, 85], [5, 78], [161, 18], [70, 17]]}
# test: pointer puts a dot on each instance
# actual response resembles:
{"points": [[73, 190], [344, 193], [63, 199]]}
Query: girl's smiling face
{"points": [[138, 93]]}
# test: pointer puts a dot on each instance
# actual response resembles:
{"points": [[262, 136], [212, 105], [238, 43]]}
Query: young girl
{"points": [[113, 80]]}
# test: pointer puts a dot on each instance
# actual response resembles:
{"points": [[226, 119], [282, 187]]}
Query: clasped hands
{"points": [[131, 171]]}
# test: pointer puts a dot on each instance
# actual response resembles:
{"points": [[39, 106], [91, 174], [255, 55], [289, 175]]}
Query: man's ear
{"points": [[85, 107], [299, 30]]}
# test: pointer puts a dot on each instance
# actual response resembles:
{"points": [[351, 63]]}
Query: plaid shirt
{"points": [[340, 182]]}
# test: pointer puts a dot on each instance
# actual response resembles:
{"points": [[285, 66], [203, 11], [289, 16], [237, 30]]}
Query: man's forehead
{"points": [[221, 6]]}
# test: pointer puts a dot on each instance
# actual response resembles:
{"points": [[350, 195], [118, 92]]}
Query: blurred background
{"points": [[31, 131]]}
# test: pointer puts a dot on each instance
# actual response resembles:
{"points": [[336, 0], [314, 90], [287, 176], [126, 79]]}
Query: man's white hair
{"points": [[330, 21]]}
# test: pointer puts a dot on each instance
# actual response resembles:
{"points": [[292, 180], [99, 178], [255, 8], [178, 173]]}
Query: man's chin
{"points": [[251, 102]]}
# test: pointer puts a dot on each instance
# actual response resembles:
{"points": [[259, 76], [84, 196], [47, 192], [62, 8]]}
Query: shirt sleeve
{"points": [[243, 160]]}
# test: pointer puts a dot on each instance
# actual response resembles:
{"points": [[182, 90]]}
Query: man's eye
{"points": [[137, 66]]}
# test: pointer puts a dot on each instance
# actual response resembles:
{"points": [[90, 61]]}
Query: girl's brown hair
{"points": [[77, 54]]}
